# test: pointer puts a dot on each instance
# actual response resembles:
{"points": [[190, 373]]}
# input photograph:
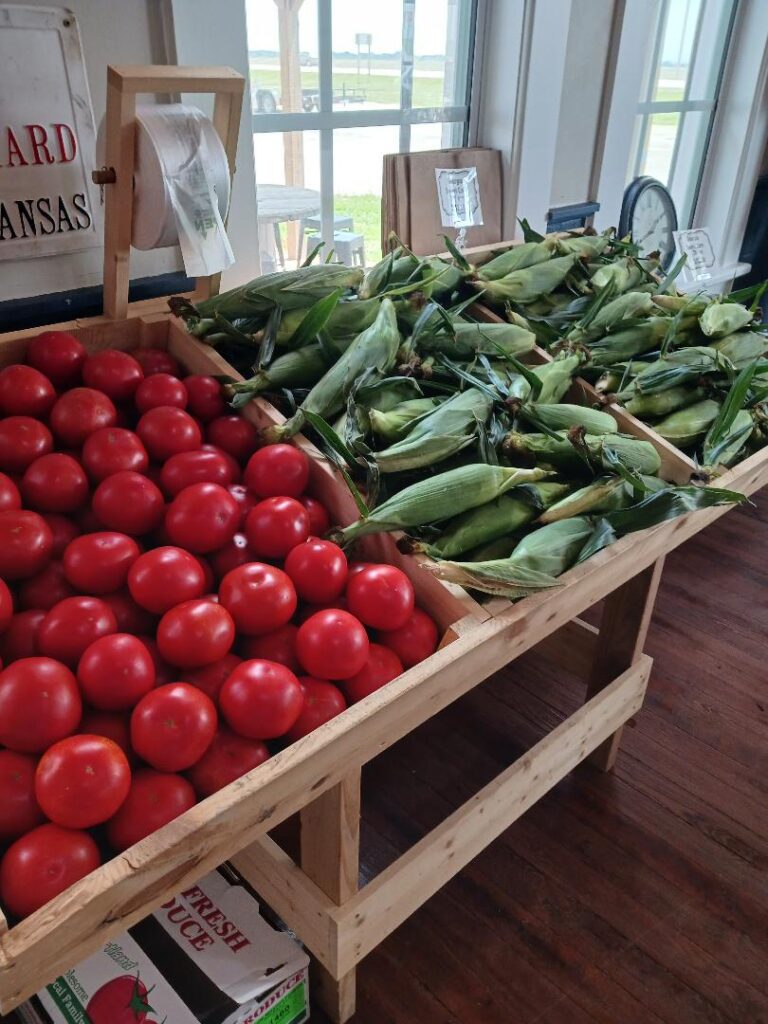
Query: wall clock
{"points": [[648, 214]]}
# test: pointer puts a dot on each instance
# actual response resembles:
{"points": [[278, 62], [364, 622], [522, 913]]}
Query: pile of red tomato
{"points": [[167, 607]]}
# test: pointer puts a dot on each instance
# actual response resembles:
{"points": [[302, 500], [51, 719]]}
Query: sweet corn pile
{"points": [[456, 432]]}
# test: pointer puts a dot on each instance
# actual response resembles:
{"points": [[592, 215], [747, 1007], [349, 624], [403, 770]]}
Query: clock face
{"points": [[652, 222]]}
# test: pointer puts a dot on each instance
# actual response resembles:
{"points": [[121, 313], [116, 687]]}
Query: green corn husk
{"points": [[347, 320], [473, 338], [562, 453], [438, 435], [733, 445], [624, 307], [386, 394], [722, 318], [608, 382], [602, 495], [562, 416], [584, 245], [632, 341], [661, 403], [501, 548], [395, 423], [686, 427], [440, 497], [623, 275], [694, 305], [299, 369], [529, 284], [741, 348], [519, 257], [290, 289], [379, 276], [448, 278], [373, 350], [556, 378]]}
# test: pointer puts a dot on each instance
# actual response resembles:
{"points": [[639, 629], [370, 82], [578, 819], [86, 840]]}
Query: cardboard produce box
{"points": [[206, 956]]}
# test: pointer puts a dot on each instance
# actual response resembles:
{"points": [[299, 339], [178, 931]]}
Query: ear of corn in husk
{"points": [[727, 451], [347, 320], [623, 274], [290, 289], [519, 257], [472, 338], [661, 403], [629, 342], [562, 416], [446, 277], [689, 425], [395, 423], [695, 305], [741, 348], [584, 245], [380, 275], [602, 495], [556, 378], [528, 284], [722, 318], [563, 453], [299, 369], [624, 307]]}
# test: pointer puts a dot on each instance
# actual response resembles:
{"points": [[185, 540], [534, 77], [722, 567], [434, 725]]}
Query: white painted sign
{"points": [[702, 260], [458, 192], [48, 203]]}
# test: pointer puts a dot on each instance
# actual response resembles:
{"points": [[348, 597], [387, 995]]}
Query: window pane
{"points": [[659, 145], [357, 169], [283, 55], [287, 194], [437, 135], [367, 42], [676, 49], [442, 58]]}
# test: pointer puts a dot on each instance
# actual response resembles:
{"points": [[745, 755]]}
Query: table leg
{"points": [[623, 629], [279, 244], [330, 856]]}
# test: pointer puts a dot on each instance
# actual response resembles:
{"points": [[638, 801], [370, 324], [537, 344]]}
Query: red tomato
{"points": [[172, 727], [160, 389], [121, 1000], [382, 666], [318, 569], [45, 589], [233, 554], [210, 579], [276, 525], [244, 499], [114, 726], [259, 597], [227, 758], [195, 633], [322, 702], [188, 468], [26, 544], [129, 616], [59, 356], [154, 799], [202, 517], [261, 700], [63, 530], [24, 391], [381, 596], [19, 810], [22, 440], [156, 360], [6, 606], [72, 625], [10, 498], [164, 673], [166, 431], [414, 641], [211, 678], [129, 502], [319, 520], [39, 704], [80, 413], [113, 450], [54, 483], [42, 864], [160, 579], [311, 609], [20, 637], [231, 461], [115, 373], [205, 398], [99, 562], [279, 646], [234, 434], [81, 781], [332, 643], [278, 469], [115, 672]]}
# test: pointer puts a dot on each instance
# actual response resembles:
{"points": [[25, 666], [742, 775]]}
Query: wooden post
{"points": [[291, 99], [118, 201], [330, 857], [623, 629]]}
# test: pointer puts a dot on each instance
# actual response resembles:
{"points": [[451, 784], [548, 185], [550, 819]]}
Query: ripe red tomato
{"points": [[234, 434], [113, 725], [234, 465], [202, 517], [160, 389], [54, 483], [279, 646], [244, 499], [332, 643], [24, 391], [276, 525], [211, 678], [19, 810], [6, 606], [81, 781], [26, 544], [121, 1000], [98, 563], [45, 589], [166, 431], [412, 642], [154, 799], [129, 502], [322, 702], [188, 468], [113, 450], [318, 569], [172, 727], [22, 440], [229, 757], [156, 360], [160, 579], [115, 672], [319, 520], [115, 373], [382, 666], [59, 356], [10, 498], [381, 596], [42, 864], [259, 597], [233, 554], [261, 700], [164, 673], [205, 398], [79, 413], [72, 625], [130, 617], [20, 637], [195, 633], [63, 530], [277, 469], [39, 704]]}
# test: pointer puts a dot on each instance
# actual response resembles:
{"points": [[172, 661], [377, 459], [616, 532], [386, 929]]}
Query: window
{"points": [[679, 96], [335, 85]]}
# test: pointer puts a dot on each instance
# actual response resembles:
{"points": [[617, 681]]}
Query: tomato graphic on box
{"points": [[121, 1000]]}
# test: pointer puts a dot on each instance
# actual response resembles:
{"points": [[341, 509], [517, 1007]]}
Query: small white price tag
{"points": [[458, 193], [702, 262]]}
